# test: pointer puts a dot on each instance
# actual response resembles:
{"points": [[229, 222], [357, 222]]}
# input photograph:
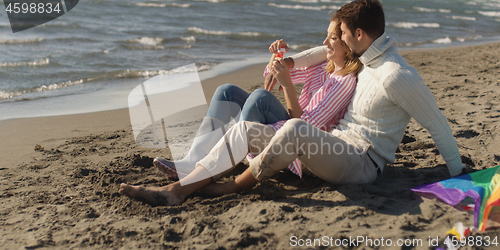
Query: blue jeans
{"points": [[230, 101]]}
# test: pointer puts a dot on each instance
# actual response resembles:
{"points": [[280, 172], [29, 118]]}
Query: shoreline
{"points": [[102, 95], [113, 97], [44, 129]]}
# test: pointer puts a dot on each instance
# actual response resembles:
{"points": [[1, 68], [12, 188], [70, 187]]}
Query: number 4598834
{"points": [[470, 241], [32, 8]]}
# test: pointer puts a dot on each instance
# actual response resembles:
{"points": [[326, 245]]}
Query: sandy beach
{"points": [[60, 177]]}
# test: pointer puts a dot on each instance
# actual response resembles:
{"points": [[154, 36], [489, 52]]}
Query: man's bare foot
{"points": [[152, 195]]}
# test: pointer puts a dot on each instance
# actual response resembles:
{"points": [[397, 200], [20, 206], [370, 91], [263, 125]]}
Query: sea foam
{"points": [[221, 33], [163, 5], [422, 9], [152, 41], [409, 25], [18, 41], [490, 13], [466, 18], [40, 62], [304, 7], [442, 40]]}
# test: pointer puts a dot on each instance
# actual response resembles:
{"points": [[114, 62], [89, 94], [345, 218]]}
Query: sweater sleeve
{"points": [[328, 102], [309, 57], [407, 89]]}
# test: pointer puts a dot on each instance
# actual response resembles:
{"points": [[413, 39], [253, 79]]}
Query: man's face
{"points": [[350, 40]]}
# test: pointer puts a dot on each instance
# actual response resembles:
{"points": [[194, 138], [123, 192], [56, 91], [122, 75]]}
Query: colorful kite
{"points": [[478, 192]]}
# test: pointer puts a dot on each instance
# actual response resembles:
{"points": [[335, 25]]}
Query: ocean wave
{"points": [[132, 47], [494, 5], [152, 41], [422, 9], [300, 47], [155, 41], [163, 5], [40, 62], [18, 41], [490, 13], [221, 33], [211, 1], [145, 42], [159, 5], [158, 43], [11, 94], [408, 25], [304, 7], [189, 39], [304, 1], [466, 18], [445, 40], [157, 47], [8, 94]]}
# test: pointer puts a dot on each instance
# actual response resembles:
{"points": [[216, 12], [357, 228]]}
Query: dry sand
{"points": [[65, 195]]}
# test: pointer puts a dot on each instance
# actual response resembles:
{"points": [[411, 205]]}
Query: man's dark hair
{"points": [[367, 15]]}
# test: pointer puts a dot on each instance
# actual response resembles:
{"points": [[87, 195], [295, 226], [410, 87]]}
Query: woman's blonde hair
{"points": [[351, 64]]}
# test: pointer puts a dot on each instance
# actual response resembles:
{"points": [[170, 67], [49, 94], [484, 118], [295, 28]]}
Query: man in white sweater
{"points": [[389, 91]]}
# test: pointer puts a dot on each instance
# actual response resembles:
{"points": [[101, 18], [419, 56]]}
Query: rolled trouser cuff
{"points": [[261, 172]]}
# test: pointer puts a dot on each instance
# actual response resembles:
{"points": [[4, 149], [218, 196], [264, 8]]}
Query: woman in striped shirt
{"points": [[328, 88]]}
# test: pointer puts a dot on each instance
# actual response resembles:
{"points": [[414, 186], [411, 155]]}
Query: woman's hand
{"points": [[271, 79], [276, 45], [270, 82], [280, 71]]}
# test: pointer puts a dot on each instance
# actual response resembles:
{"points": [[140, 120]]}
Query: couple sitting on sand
{"points": [[339, 130]]}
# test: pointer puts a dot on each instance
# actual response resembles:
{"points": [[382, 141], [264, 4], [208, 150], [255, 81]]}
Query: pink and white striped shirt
{"points": [[324, 99]]}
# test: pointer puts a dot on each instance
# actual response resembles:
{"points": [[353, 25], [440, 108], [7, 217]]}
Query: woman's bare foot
{"points": [[152, 195], [173, 194]]}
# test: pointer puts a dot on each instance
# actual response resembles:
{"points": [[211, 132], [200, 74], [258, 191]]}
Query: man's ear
{"points": [[359, 34]]}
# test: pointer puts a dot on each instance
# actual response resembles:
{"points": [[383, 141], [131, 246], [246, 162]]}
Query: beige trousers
{"points": [[334, 157]]}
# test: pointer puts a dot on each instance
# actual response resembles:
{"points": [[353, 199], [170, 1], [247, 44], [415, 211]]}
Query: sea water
{"points": [[91, 57]]}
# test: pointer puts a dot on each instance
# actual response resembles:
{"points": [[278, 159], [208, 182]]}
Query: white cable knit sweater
{"points": [[388, 94]]}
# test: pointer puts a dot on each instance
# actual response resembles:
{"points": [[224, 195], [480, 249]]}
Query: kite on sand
{"points": [[478, 192]]}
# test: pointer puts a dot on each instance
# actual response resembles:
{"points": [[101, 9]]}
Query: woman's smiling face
{"points": [[336, 52]]}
